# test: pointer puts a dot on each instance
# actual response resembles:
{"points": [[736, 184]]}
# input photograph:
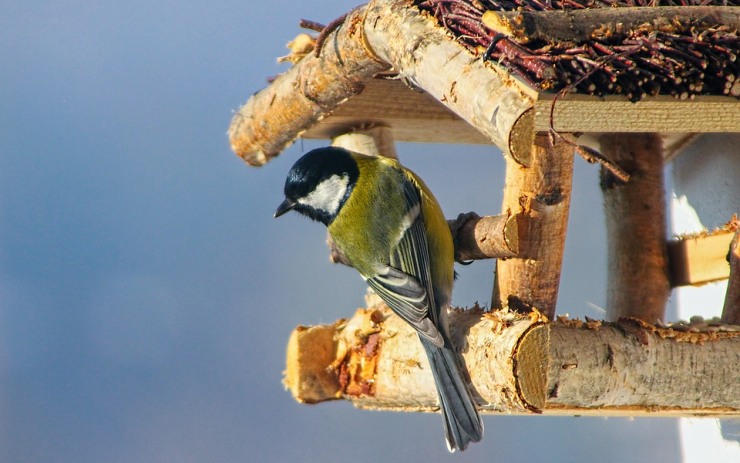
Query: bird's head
{"points": [[319, 184]]}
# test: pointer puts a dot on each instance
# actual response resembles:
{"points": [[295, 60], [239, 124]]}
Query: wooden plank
{"points": [[412, 115], [662, 113], [699, 259], [415, 116]]}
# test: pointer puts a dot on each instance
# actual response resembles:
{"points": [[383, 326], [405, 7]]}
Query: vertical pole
{"points": [[540, 193], [731, 309], [638, 283], [374, 141]]}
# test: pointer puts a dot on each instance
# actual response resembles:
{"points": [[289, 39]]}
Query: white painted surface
{"points": [[706, 192]]}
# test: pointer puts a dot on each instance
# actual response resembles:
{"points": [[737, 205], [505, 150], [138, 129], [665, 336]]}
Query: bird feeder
{"points": [[621, 84]]}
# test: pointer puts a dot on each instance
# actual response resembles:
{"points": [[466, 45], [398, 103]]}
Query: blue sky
{"points": [[146, 293]]}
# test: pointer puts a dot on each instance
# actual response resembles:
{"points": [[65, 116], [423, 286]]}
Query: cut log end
{"points": [[311, 353], [530, 366]]}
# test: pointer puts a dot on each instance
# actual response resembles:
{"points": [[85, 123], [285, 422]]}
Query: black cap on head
{"points": [[312, 169]]}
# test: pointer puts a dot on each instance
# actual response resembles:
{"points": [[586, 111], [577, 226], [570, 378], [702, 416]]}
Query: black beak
{"points": [[284, 207]]}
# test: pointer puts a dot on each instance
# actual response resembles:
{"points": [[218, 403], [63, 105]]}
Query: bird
{"points": [[388, 226]]}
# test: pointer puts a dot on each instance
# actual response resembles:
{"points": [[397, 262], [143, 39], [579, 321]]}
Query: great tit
{"points": [[387, 225]]}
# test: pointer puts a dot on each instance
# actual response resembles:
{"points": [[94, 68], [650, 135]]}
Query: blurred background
{"points": [[146, 293]]}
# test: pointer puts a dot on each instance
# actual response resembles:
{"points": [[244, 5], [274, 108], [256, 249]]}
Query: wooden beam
{"points": [[368, 139], [372, 39], [700, 258], [520, 364], [415, 116], [638, 283], [540, 195], [662, 113], [604, 23], [458, 86], [273, 118], [411, 115], [486, 96]]}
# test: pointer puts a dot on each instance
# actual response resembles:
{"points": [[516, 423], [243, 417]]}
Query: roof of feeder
{"points": [[555, 44], [480, 71]]}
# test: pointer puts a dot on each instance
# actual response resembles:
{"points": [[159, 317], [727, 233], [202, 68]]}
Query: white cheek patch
{"points": [[328, 194]]}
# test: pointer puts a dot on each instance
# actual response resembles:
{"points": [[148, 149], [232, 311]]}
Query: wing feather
{"points": [[406, 284]]}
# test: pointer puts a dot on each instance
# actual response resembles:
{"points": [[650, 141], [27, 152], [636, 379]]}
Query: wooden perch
{"points": [[520, 364], [636, 228], [731, 310], [540, 196], [486, 237], [580, 25]]}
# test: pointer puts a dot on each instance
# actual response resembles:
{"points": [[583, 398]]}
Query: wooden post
{"points": [[540, 194], [636, 228], [731, 309], [372, 140]]}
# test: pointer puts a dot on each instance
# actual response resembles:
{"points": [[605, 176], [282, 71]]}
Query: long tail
{"points": [[462, 422]]}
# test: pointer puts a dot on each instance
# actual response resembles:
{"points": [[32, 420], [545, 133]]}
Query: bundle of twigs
{"points": [[684, 59]]}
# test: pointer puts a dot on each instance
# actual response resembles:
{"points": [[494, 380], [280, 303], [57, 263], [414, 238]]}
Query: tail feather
{"points": [[461, 419]]}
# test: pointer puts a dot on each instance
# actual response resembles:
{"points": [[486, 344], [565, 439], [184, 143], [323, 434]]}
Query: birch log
{"points": [[481, 93], [636, 228], [487, 237], [540, 196], [273, 118], [375, 37], [520, 364]]}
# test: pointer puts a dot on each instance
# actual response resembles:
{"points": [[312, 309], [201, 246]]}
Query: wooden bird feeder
{"points": [[626, 86]]}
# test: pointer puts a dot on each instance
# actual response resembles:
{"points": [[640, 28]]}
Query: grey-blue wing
{"points": [[406, 284], [461, 419], [408, 299]]}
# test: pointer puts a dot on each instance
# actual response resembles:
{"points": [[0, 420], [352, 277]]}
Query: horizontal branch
{"points": [[273, 118], [486, 237], [580, 25], [375, 37], [521, 364]]}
